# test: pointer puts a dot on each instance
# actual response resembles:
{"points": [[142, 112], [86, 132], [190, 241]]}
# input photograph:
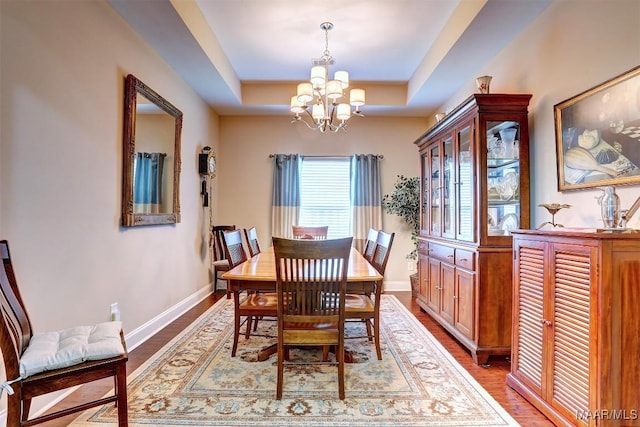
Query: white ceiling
{"points": [[245, 56]]}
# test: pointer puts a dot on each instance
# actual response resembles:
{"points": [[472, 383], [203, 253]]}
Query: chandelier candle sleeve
{"points": [[324, 100]]}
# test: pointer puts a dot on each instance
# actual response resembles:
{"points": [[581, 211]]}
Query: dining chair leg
{"points": [[369, 331], [121, 389], [236, 329], [340, 357], [376, 337], [281, 358], [247, 332]]}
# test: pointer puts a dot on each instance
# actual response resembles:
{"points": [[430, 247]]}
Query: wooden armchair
{"points": [[310, 233], [254, 305], [366, 306], [311, 279], [32, 372], [219, 261]]}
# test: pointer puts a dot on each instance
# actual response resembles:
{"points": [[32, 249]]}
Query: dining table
{"points": [[258, 273]]}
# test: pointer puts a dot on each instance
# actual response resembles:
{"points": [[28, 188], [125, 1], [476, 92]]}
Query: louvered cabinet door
{"points": [[573, 272], [528, 340]]}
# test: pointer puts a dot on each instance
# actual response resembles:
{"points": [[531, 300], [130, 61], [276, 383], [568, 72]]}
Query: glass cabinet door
{"points": [[435, 189], [448, 189], [426, 191], [503, 178], [464, 186]]}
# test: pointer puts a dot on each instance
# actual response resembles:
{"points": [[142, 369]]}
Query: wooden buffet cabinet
{"points": [[474, 192], [576, 335]]}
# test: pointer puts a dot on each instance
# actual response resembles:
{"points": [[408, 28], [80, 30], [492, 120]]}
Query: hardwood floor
{"points": [[492, 378]]}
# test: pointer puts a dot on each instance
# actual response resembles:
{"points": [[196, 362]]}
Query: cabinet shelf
{"points": [[510, 202], [499, 163]]}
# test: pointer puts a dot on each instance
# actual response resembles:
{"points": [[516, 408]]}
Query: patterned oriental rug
{"points": [[194, 381]]}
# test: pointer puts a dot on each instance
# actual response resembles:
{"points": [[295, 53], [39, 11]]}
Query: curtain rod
{"points": [[380, 156]]}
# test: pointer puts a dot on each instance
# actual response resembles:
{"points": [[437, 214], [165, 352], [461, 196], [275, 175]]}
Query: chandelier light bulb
{"points": [[305, 92], [334, 89], [323, 95], [343, 77], [318, 75], [344, 112], [317, 112], [356, 97], [296, 106]]}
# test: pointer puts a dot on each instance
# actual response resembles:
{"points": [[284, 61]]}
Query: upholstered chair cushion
{"points": [[68, 347]]}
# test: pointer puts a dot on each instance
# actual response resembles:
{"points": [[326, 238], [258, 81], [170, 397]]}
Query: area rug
{"points": [[194, 381]]}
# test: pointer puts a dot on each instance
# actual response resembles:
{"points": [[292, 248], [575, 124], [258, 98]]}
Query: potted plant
{"points": [[404, 201]]}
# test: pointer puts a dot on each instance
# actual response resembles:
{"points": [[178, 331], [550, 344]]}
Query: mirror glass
{"points": [[151, 168]]}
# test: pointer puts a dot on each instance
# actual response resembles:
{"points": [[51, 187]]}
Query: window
{"points": [[325, 194]]}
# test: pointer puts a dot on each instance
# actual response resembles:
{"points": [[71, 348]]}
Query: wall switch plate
{"points": [[411, 265]]}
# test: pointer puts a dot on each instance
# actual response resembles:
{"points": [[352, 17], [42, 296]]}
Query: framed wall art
{"points": [[598, 135]]}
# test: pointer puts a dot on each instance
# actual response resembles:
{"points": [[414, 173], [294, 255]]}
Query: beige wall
{"points": [[63, 68]]}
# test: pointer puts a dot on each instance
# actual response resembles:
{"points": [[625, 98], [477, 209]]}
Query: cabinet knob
{"points": [[449, 256], [455, 297]]}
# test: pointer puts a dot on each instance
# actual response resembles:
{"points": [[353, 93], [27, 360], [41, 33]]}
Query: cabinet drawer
{"points": [[442, 252], [465, 259]]}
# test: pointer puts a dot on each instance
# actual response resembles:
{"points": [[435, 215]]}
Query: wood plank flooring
{"points": [[492, 378]]}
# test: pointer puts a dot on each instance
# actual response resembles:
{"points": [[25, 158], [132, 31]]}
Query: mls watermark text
{"points": [[608, 414]]}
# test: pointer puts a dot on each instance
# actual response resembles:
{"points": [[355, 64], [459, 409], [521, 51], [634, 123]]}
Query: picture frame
{"points": [[598, 135]]}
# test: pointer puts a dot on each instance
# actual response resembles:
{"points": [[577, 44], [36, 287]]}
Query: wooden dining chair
{"points": [[310, 233], [365, 306], [219, 261], [370, 244], [32, 370], [251, 236], [248, 306], [311, 279]]}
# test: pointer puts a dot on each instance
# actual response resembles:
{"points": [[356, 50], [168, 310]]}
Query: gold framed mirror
{"points": [[151, 157]]}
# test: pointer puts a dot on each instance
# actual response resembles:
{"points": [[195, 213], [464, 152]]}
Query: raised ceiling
{"points": [[246, 56]]}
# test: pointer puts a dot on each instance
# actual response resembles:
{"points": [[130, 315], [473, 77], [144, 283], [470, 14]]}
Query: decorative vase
{"points": [[483, 83], [610, 207]]}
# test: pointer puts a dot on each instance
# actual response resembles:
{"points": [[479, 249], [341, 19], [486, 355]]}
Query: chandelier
{"points": [[323, 99]]}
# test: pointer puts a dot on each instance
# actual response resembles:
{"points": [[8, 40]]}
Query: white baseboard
{"points": [[400, 285], [133, 340]]}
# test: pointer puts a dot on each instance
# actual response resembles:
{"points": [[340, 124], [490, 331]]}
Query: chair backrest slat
{"points": [[382, 251], [310, 233], [16, 330], [251, 236], [233, 247], [217, 244], [311, 278], [370, 245]]}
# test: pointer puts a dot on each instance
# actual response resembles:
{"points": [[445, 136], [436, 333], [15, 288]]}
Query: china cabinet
{"points": [[576, 335], [474, 193]]}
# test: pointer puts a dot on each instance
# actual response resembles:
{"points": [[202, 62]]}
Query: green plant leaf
{"points": [[404, 201]]}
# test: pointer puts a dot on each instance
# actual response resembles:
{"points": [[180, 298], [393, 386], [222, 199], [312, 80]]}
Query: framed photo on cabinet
{"points": [[598, 135]]}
